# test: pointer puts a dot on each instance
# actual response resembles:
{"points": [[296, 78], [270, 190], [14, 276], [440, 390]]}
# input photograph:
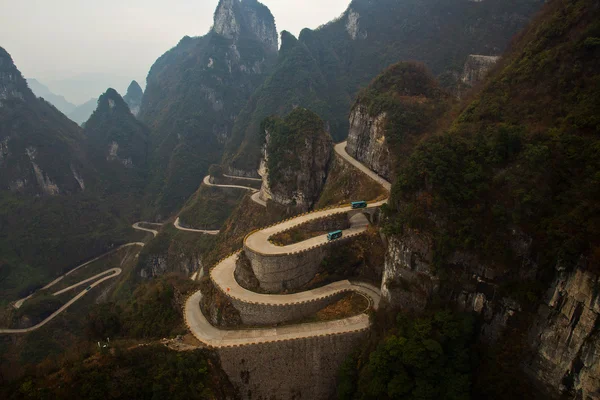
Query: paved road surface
{"points": [[214, 337], [152, 231], [63, 308], [181, 228], [255, 197], [111, 273], [243, 177], [223, 276], [20, 302], [207, 182]]}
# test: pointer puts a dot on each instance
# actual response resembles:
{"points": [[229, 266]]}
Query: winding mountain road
{"points": [[104, 276], [223, 277], [207, 182]]}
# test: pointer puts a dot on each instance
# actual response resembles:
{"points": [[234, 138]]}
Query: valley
{"points": [[401, 203]]}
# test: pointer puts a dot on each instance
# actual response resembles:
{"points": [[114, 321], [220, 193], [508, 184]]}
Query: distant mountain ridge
{"points": [[40, 90], [133, 98]]}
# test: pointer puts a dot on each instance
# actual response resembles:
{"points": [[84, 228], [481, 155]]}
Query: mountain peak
{"points": [[12, 83], [234, 18], [133, 98], [111, 101], [134, 89]]}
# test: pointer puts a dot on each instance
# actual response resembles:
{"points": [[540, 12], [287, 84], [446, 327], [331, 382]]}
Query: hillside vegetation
{"points": [[523, 153], [324, 68]]}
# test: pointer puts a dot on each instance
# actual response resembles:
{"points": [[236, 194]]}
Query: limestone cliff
{"points": [[41, 151], [477, 67], [463, 229], [195, 90], [367, 141], [296, 159], [564, 337], [133, 98], [391, 114]]}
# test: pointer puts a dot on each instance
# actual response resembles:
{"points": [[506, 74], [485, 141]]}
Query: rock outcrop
{"points": [[114, 135], [195, 91], [41, 151], [565, 339], [133, 98], [367, 141], [477, 67], [296, 159]]}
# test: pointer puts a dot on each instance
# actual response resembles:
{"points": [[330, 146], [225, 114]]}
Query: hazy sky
{"points": [[57, 39]]}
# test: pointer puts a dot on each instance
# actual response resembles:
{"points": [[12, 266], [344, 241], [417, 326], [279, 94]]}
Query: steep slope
{"points": [[133, 97], [195, 90], [296, 80], [297, 151], [40, 90], [498, 214], [118, 145], [32, 133], [52, 211], [350, 51]]}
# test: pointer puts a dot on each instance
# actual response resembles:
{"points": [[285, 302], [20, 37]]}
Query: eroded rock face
{"points": [[565, 336], [477, 67], [299, 174], [40, 149], [234, 18], [367, 142], [133, 98], [563, 340]]}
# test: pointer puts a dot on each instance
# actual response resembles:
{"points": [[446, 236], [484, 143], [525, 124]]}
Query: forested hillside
{"points": [[54, 208], [326, 67], [195, 90], [495, 211]]}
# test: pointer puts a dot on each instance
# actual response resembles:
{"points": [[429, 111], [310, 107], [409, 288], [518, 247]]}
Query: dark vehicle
{"points": [[334, 235], [88, 288], [359, 204]]}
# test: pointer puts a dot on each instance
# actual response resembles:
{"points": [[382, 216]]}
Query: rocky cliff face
{"points": [[133, 98], [458, 231], [115, 135], [563, 339], [234, 18], [367, 141], [40, 149], [195, 91], [477, 67], [296, 159]]}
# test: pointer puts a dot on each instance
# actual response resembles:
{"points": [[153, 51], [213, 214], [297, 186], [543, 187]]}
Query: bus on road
{"points": [[334, 235], [359, 204]]}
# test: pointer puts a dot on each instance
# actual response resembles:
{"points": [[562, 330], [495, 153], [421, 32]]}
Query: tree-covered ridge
{"points": [[296, 81], [523, 156], [412, 101], [287, 141], [55, 208], [118, 145], [344, 55], [429, 357], [193, 94], [146, 372]]}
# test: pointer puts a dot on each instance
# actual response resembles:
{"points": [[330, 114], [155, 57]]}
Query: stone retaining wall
{"points": [[279, 272], [294, 369], [269, 314]]}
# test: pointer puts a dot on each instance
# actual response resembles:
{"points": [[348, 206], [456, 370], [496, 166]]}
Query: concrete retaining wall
{"points": [[266, 314], [294, 369], [277, 273]]}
